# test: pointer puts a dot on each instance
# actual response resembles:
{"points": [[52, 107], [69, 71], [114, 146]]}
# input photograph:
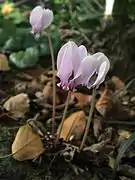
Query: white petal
{"points": [[86, 70], [102, 58], [78, 57], [64, 61], [36, 15], [82, 52], [66, 52], [101, 74], [47, 18]]}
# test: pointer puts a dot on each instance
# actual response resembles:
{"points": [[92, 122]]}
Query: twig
{"points": [[64, 115], [130, 123], [89, 119], [54, 82]]}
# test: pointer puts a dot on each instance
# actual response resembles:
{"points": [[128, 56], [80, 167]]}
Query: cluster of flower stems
{"points": [[66, 104], [79, 62]]}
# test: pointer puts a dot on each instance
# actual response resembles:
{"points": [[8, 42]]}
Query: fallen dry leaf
{"points": [[3, 63], [104, 103], [43, 78], [73, 126], [82, 99], [119, 84], [35, 71], [34, 85], [27, 145], [111, 161], [124, 134], [97, 126], [18, 105], [48, 93]]}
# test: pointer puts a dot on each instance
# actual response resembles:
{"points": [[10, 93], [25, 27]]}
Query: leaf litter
{"points": [[28, 103]]}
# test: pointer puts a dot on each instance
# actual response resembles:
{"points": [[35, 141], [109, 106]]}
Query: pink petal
{"points": [[47, 18], [102, 58], [66, 51], [65, 58], [36, 15], [82, 51], [101, 74], [79, 56], [86, 70]]}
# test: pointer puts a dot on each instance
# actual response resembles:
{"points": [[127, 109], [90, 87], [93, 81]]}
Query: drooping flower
{"points": [[102, 68], [40, 19], [68, 62], [77, 67], [92, 71]]}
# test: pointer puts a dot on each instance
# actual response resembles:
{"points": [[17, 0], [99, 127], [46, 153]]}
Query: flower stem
{"points": [[89, 119], [64, 115], [54, 82]]}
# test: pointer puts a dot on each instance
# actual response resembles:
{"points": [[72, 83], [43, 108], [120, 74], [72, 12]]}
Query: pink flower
{"points": [[77, 67], [97, 66], [68, 62], [40, 19]]}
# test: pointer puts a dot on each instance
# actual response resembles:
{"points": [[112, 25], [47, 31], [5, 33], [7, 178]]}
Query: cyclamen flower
{"points": [[77, 67], [40, 19]]}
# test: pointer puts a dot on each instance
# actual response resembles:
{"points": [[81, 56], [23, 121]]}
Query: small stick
{"points": [[89, 119], [64, 115], [54, 83]]}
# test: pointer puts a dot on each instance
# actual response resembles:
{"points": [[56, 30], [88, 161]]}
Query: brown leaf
{"points": [[111, 162], [119, 84], [3, 63], [73, 126], [18, 105], [124, 134], [43, 78], [104, 103], [34, 85], [97, 126], [62, 95], [35, 71], [27, 144], [82, 99], [48, 93]]}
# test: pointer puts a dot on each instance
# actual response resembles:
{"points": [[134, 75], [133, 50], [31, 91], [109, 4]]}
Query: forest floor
{"points": [[109, 151]]}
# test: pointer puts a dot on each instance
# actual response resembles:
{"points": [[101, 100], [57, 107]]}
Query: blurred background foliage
{"points": [[80, 20]]}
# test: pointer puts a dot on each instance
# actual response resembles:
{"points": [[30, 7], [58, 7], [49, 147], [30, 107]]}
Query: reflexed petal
{"points": [[82, 52], [65, 58], [78, 57], [36, 15], [102, 58], [66, 51], [101, 74], [47, 18], [97, 55], [87, 68]]}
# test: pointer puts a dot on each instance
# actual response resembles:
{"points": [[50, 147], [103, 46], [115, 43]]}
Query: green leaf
{"points": [[124, 146], [8, 26], [43, 49], [17, 17], [28, 40], [24, 59], [43, 44], [3, 37], [13, 44]]}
